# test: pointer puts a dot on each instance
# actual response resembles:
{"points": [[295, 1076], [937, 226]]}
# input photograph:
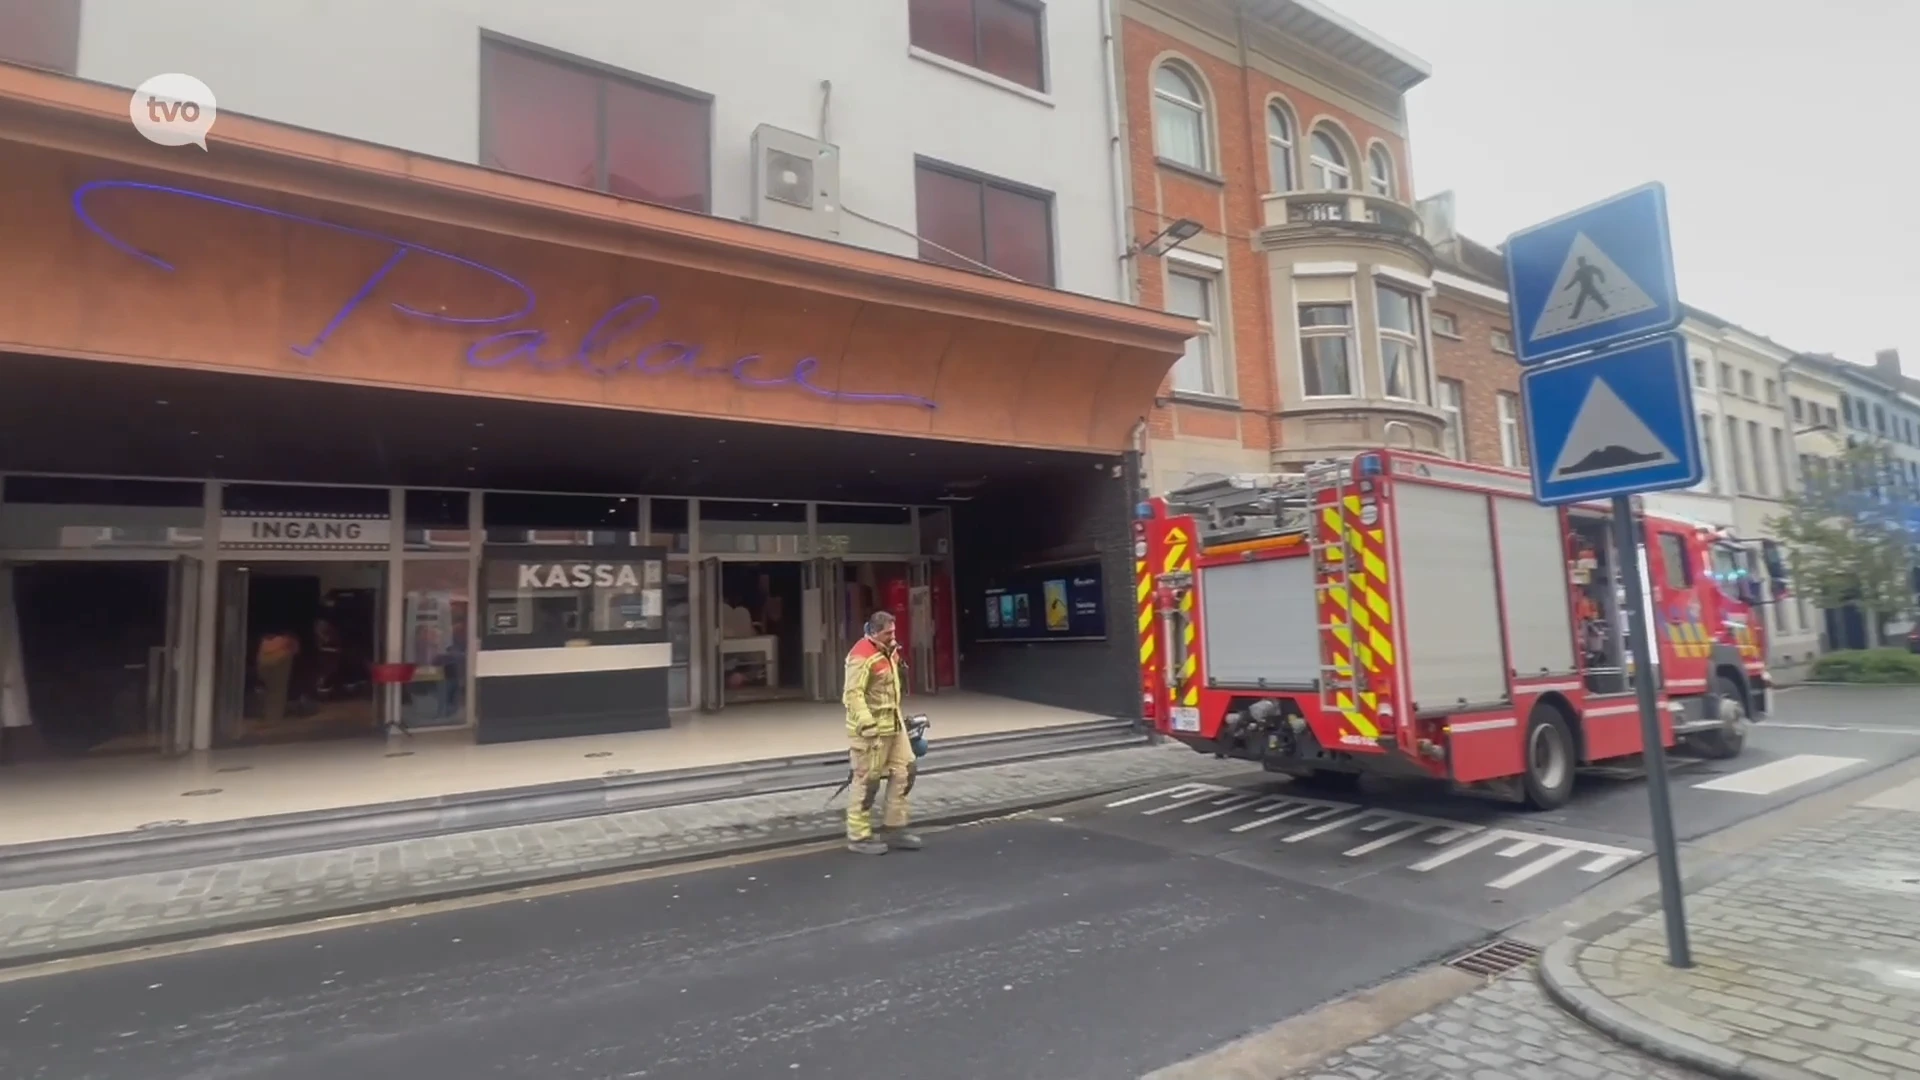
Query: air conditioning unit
{"points": [[796, 183]]}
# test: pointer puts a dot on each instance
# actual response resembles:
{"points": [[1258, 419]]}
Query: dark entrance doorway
{"points": [[93, 643], [298, 642], [761, 649]]}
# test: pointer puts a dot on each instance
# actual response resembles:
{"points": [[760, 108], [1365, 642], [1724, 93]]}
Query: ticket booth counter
{"points": [[573, 641]]}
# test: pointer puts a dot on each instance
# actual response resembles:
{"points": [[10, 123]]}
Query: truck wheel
{"points": [[1550, 760], [1730, 737]]}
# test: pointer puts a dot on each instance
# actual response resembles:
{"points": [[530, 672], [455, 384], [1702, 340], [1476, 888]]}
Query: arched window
{"points": [[1179, 118], [1280, 148], [1329, 163], [1380, 171]]}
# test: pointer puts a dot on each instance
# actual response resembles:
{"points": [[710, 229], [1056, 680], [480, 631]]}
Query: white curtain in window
{"points": [[1179, 119]]}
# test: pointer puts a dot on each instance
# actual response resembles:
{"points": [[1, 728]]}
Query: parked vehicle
{"points": [[1400, 614]]}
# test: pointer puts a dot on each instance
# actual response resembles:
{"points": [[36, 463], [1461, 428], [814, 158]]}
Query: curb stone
{"points": [[432, 892], [1560, 977]]}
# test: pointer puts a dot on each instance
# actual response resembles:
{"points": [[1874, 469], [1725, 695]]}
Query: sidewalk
{"points": [[52, 921], [1806, 957]]}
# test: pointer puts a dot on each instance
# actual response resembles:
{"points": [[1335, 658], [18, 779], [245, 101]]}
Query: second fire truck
{"points": [[1400, 614]]}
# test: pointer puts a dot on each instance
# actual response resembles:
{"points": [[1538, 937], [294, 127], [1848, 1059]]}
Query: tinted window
{"points": [[571, 124], [968, 220]]}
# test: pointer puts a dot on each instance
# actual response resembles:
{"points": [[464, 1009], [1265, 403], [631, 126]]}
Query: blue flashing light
{"points": [[1143, 511], [1370, 465]]}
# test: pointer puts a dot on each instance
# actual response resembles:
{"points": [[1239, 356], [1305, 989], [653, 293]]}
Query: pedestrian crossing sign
{"points": [[1597, 277]]}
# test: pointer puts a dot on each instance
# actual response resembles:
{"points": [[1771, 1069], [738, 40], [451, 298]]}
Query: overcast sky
{"points": [[1788, 135]]}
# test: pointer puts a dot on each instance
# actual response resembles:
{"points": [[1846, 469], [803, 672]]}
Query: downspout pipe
{"points": [[1116, 156]]}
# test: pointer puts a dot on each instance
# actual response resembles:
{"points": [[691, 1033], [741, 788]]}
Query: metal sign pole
{"points": [[1666, 850]]}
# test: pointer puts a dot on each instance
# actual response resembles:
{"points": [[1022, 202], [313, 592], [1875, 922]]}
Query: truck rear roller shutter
{"points": [[1452, 614], [1533, 569], [1259, 623]]}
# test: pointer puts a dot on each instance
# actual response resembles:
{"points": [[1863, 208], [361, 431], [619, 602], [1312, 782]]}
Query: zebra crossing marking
{"points": [[1380, 829]]}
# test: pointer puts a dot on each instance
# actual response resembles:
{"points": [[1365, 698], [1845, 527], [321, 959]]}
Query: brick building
{"points": [[1477, 379], [1278, 131]]}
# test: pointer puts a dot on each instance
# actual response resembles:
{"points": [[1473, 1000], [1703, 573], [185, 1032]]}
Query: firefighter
{"points": [[878, 743]]}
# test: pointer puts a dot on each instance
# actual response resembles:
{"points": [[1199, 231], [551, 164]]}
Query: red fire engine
{"points": [[1400, 614]]}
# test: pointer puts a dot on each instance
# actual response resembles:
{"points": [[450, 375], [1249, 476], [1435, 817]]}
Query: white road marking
{"points": [[1390, 838], [1181, 789], [1903, 797], [1271, 818], [1865, 729], [1537, 866], [1227, 806], [1778, 776], [1178, 804], [1385, 828], [1608, 856]]}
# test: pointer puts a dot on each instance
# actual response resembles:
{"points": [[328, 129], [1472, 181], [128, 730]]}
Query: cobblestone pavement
{"points": [[57, 920], [1806, 957], [1506, 1031]]}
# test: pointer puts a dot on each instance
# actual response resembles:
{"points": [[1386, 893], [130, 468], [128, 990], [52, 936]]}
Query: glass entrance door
{"points": [[180, 658], [824, 620], [298, 644], [920, 611], [711, 635]]}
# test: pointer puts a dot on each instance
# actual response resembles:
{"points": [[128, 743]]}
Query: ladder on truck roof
{"points": [[1333, 559], [1258, 505], [1246, 506]]}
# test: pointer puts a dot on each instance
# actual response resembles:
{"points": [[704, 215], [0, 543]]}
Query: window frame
{"points": [[1711, 466], [1287, 147], [1214, 363], [601, 73], [1201, 108], [1347, 333], [1414, 339], [1320, 166], [1451, 399], [1740, 485], [58, 23], [1512, 449], [1386, 186], [1012, 187], [1043, 69], [1494, 337], [1452, 330], [1673, 556]]}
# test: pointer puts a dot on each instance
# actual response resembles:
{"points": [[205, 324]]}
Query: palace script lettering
{"points": [[613, 345]]}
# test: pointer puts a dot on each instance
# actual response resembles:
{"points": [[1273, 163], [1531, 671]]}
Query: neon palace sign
{"points": [[616, 344]]}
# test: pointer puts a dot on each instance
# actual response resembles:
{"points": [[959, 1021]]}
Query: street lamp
{"points": [[1181, 231]]}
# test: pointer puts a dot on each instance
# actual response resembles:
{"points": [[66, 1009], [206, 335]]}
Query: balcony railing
{"points": [[1329, 207]]}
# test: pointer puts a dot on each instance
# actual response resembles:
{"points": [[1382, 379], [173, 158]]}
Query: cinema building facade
{"points": [[303, 437]]}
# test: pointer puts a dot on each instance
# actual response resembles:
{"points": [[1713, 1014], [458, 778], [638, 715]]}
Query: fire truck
{"points": [[1399, 614]]}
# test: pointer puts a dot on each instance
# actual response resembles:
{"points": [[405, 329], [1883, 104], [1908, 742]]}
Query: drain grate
{"points": [[202, 791], [234, 768], [1495, 958]]}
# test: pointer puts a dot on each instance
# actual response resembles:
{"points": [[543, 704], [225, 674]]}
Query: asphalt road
{"points": [[1018, 948], [1102, 941], [1439, 855]]}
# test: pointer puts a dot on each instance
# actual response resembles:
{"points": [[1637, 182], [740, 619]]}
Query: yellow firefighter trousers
{"points": [[887, 757]]}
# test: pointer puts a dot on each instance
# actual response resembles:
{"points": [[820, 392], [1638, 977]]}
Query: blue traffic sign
{"points": [[1599, 276], [1615, 423]]}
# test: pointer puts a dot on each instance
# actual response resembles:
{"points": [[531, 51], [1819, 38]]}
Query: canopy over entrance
{"points": [[286, 253]]}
